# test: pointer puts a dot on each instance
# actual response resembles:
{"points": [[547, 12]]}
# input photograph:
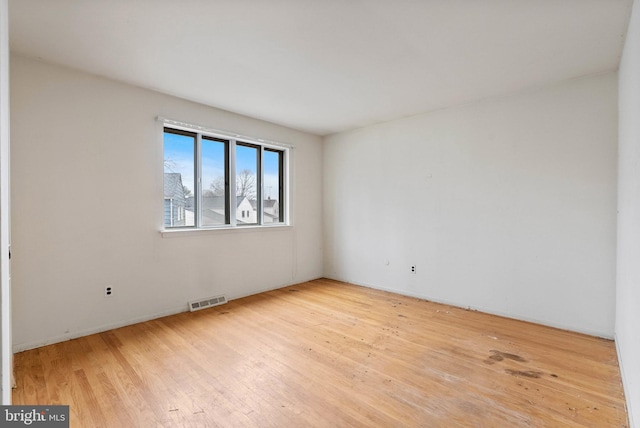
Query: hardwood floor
{"points": [[328, 354]]}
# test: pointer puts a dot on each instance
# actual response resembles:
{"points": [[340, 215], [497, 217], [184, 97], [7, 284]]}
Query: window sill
{"points": [[175, 233]]}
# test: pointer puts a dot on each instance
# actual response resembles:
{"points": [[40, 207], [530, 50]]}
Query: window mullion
{"points": [[260, 186], [197, 197], [233, 205], [283, 179]]}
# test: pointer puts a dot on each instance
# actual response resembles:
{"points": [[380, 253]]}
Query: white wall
{"points": [[87, 209], [628, 286], [505, 205]]}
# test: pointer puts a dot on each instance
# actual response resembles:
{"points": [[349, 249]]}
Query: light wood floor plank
{"points": [[326, 354]]}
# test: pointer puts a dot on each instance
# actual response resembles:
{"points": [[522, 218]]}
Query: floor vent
{"points": [[196, 305]]}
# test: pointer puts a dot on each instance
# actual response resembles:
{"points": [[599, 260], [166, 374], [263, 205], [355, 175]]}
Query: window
{"points": [[274, 186], [179, 178], [201, 169]]}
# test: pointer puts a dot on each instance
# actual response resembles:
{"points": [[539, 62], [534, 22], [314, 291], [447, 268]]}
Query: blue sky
{"points": [[179, 151]]}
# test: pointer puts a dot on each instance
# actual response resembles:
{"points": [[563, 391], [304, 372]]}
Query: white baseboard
{"points": [[86, 332], [93, 330], [604, 335]]}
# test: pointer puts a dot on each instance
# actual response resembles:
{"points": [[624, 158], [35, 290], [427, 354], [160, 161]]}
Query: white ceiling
{"points": [[325, 66]]}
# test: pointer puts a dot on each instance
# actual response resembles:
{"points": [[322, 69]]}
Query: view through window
{"points": [[198, 177]]}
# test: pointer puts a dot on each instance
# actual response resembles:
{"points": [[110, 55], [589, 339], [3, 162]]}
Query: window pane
{"points": [[273, 188], [179, 179], [247, 183], [214, 182]]}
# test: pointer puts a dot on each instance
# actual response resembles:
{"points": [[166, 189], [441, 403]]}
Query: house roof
{"points": [[212, 217], [267, 203], [215, 202], [271, 216]]}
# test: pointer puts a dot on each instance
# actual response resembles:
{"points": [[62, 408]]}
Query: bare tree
{"points": [[246, 184], [186, 190], [216, 188]]}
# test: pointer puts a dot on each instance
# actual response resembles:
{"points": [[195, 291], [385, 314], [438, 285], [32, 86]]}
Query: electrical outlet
{"points": [[413, 268], [108, 291]]}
